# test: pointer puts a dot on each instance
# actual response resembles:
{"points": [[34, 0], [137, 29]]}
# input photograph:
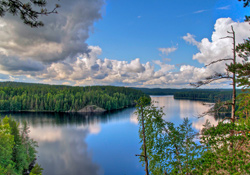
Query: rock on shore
{"points": [[91, 108]]}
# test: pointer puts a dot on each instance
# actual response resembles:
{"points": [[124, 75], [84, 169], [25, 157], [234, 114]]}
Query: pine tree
{"points": [[26, 10]]}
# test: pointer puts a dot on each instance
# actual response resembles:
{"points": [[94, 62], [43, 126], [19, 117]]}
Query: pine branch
{"points": [[25, 10]]}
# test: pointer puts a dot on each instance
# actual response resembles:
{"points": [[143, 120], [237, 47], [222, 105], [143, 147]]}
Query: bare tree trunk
{"points": [[144, 143], [234, 86], [234, 80]]}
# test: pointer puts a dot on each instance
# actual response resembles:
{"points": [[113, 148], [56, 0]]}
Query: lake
{"points": [[74, 144]]}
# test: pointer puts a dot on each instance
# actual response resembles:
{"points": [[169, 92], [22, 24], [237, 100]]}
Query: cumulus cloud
{"points": [[84, 66], [62, 37], [88, 69], [218, 47]]}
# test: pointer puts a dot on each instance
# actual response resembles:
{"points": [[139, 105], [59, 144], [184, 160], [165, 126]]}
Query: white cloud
{"points": [[86, 68], [134, 119], [167, 51], [218, 48], [94, 129], [164, 67], [47, 134], [62, 37], [224, 7], [200, 11], [190, 39]]}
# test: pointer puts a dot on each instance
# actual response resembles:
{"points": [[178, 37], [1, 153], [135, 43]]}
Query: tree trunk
{"points": [[234, 80], [177, 153], [144, 143], [234, 87]]}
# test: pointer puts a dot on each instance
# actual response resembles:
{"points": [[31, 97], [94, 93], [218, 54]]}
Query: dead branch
{"points": [[225, 59], [226, 119], [139, 155], [210, 80]]}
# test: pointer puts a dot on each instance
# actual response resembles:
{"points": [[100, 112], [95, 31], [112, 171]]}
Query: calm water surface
{"points": [[74, 144]]}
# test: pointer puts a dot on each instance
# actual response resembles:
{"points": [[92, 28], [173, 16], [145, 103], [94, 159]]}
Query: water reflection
{"points": [[99, 144], [64, 152], [176, 110], [72, 143], [77, 119]]}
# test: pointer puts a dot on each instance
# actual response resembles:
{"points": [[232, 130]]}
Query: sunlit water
{"points": [[75, 144]]}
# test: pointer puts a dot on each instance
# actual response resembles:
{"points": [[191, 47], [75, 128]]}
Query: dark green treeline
{"points": [[211, 95], [16, 96]]}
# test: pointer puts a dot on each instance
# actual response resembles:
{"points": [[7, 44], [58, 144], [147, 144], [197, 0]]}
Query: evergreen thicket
{"points": [[17, 150], [57, 98]]}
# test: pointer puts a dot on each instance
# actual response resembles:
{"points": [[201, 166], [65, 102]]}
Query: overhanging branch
{"points": [[211, 79], [226, 59]]}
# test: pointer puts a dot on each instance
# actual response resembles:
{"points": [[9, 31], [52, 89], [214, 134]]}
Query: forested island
{"points": [[16, 96]]}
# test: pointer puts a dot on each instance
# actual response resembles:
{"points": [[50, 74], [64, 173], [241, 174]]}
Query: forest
{"points": [[15, 96], [209, 95], [17, 149], [161, 91]]}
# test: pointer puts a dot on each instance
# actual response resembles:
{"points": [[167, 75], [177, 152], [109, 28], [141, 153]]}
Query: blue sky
{"points": [[124, 43], [132, 29]]}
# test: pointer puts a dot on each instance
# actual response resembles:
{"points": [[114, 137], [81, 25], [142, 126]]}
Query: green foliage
{"points": [[228, 144], [227, 148], [40, 97], [243, 104], [160, 91], [181, 151], [170, 149], [36, 170], [27, 10], [211, 95], [6, 146], [243, 70], [17, 150]]}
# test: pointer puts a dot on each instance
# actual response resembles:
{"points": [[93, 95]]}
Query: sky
{"points": [[150, 43]]}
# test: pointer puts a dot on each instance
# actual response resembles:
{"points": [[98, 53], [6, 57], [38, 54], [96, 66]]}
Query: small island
{"points": [[90, 108]]}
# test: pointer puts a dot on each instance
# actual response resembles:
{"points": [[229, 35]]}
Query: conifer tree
{"points": [[26, 10]]}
